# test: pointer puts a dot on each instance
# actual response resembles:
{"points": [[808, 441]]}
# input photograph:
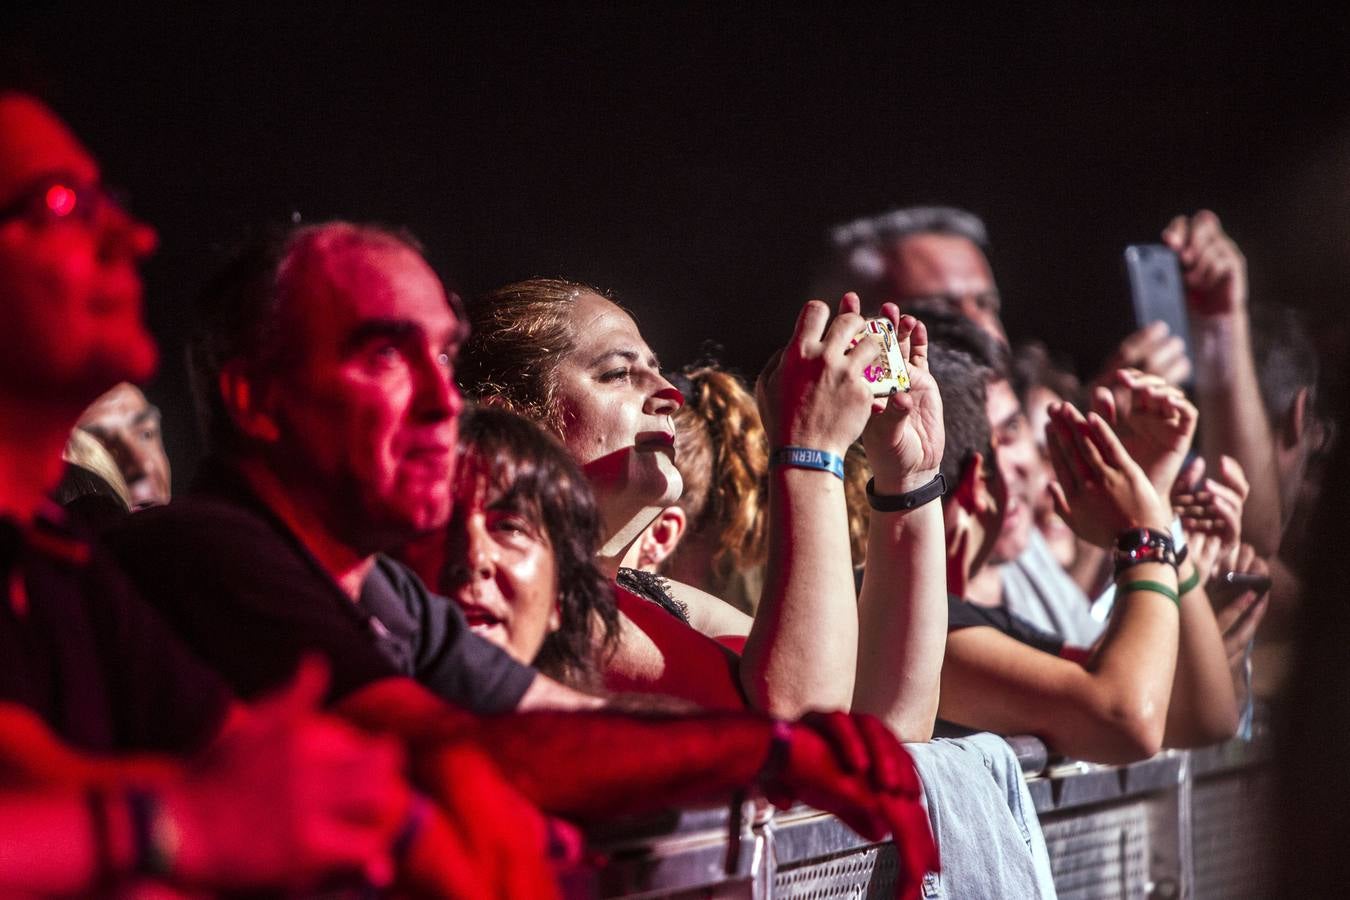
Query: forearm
{"points": [[1203, 708], [589, 766], [1234, 421], [902, 615], [801, 653], [1136, 661], [51, 845]]}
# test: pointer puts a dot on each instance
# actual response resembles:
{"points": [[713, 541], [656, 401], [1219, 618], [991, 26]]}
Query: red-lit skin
{"points": [[589, 766], [71, 323], [354, 441], [273, 801], [124, 422], [507, 584], [238, 812], [1020, 465], [944, 265]]}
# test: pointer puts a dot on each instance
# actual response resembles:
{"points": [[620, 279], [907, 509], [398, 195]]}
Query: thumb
{"points": [[304, 693]]}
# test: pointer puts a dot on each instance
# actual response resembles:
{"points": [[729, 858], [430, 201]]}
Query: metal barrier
{"points": [[1180, 825]]}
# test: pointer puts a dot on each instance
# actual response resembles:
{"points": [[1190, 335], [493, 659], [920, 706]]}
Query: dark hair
{"points": [[961, 380], [1311, 800], [536, 477], [1033, 367], [239, 311], [950, 329], [518, 334], [1286, 361]]}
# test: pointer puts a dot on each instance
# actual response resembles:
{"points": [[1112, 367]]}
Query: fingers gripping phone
{"points": [[1156, 288], [888, 374]]}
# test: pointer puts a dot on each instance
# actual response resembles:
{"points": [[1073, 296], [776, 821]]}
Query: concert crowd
{"points": [[461, 577]]}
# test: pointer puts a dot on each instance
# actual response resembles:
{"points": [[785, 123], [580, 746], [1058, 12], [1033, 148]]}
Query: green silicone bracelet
{"points": [[1189, 584], [1156, 587]]}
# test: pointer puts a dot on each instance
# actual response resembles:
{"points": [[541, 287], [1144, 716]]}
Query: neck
{"points": [[622, 530], [347, 566], [985, 587], [33, 434]]}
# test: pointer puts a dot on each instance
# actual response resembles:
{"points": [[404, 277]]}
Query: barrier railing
{"points": [[1182, 824]]}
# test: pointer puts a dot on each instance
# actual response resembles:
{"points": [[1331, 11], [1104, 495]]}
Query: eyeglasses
{"points": [[59, 199]]}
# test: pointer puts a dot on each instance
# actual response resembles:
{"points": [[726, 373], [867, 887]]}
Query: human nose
{"points": [[479, 559], [438, 396], [125, 236], [665, 399]]}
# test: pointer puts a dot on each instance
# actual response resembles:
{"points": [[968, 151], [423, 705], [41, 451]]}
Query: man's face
{"points": [[367, 412], [124, 422], [71, 326], [1019, 466], [947, 270]]}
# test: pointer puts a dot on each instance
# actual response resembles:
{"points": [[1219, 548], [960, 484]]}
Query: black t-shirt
{"points": [[961, 614], [79, 648], [250, 600]]}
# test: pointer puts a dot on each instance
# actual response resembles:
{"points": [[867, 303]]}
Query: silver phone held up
{"points": [[1157, 290]]}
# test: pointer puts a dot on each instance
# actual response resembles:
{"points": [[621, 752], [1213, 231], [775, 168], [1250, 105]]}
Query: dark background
{"points": [[690, 157]]}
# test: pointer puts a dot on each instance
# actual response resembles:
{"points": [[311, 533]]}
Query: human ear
{"points": [[244, 402], [1291, 430], [661, 538]]}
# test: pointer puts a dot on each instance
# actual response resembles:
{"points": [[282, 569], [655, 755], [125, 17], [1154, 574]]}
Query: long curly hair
{"points": [[722, 452], [528, 469]]}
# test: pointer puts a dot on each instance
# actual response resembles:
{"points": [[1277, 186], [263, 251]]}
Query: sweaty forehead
{"points": [[940, 264], [35, 143]]}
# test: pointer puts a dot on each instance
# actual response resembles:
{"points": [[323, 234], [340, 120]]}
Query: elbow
{"points": [[1137, 727]]}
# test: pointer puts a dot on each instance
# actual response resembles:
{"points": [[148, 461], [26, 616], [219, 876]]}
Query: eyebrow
{"points": [[149, 414], [396, 330], [631, 356]]}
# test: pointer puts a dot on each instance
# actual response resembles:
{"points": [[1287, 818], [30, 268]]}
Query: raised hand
{"points": [[1100, 491], [813, 393], [290, 796], [1239, 609], [1154, 420], [1211, 510], [1152, 349], [1213, 268], [852, 766], [904, 439]]}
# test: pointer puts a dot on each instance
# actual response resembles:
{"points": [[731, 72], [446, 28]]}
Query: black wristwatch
{"points": [[1141, 545], [908, 500]]}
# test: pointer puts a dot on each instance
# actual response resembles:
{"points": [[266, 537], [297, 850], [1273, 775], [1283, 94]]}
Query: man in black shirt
{"points": [[75, 646], [326, 362]]}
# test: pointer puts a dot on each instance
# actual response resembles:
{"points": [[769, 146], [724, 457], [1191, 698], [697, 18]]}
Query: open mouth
{"points": [[480, 619]]}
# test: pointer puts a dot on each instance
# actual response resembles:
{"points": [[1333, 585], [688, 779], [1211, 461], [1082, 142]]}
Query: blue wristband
{"points": [[806, 458]]}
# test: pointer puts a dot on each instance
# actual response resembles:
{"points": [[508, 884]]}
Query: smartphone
{"points": [[1157, 289], [1247, 581], [888, 374]]}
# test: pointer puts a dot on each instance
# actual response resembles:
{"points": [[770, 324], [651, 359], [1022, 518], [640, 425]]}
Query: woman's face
{"points": [[501, 570], [616, 408]]}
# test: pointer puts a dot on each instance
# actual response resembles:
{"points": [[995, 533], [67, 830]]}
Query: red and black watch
{"points": [[1143, 545]]}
